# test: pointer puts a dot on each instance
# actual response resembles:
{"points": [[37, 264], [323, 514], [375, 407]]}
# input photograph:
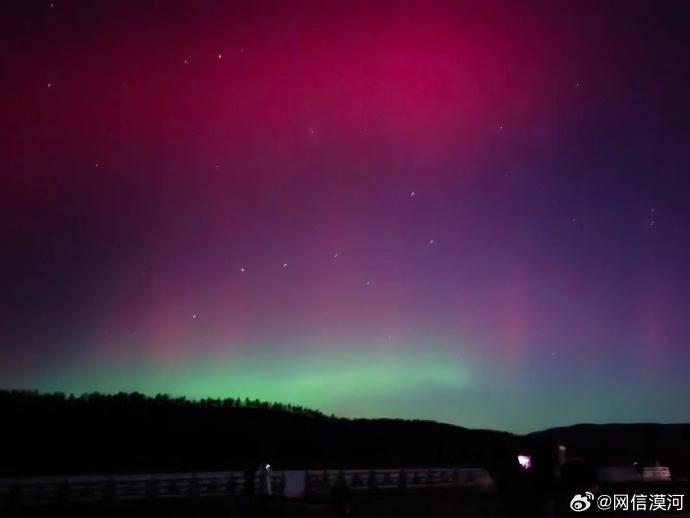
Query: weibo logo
{"points": [[581, 503]]}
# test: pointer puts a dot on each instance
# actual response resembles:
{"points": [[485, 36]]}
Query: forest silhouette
{"points": [[59, 434]]}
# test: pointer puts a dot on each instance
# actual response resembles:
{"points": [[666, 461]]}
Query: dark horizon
{"points": [[283, 406], [52, 434]]}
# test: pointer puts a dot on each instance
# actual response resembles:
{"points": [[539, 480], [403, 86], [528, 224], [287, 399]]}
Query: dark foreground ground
{"points": [[418, 504], [427, 505]]}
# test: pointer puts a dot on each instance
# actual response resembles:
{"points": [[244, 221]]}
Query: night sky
{"points": [[472, 212]]}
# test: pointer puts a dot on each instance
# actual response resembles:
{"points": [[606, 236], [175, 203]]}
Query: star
{"points": [[652, 209], [412, 194], [97, 164], [50, 84], [431, 241], [577, 85], [52, 5], [186, 62], [243, 269], [500, 128], [652, 223], [284, 265], [367, 283], [335, 255], [220, 56], [194, 316]]}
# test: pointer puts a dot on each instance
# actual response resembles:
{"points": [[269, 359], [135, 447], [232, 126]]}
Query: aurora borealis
{"points": [[473, 212]]}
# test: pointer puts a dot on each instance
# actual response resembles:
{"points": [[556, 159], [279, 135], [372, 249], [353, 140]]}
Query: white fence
{"points": [[291, 484], [121, 487], [320, 481]]}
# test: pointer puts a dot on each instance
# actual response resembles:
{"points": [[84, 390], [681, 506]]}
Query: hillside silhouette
{"points": [[95, 433], [55, 434]]}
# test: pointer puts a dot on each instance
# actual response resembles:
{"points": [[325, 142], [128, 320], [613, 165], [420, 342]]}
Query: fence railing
{"points": [[318, 481], [290, 483]]}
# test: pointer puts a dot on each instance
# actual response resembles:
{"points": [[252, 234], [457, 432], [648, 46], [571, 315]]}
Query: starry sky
{"points": [[472, 212]]}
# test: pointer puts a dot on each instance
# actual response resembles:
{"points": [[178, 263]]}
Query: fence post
{"points": [[63, 492], [402, 479], [430, 478], [371, 481], [151, 488]]}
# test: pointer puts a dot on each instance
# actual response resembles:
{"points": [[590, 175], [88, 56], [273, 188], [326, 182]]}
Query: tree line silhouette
{"points": [[134, 399], [131, 432], [45, 434]]}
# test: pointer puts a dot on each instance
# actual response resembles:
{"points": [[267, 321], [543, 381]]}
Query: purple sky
{"points": [[474, 212]]}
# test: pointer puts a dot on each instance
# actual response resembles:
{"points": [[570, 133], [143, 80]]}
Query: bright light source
{"points": [[525, 461]]}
